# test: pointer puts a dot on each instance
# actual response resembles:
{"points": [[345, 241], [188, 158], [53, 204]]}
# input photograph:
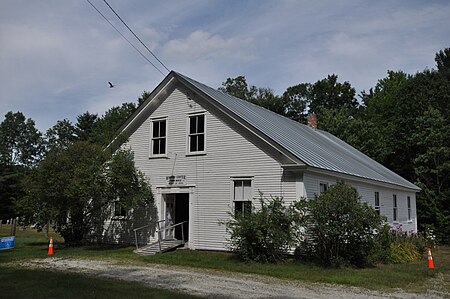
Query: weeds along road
{"points": [[215, 284]]}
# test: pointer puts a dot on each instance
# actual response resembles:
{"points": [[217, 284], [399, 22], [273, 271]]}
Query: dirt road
{"points": [[214, 284]]}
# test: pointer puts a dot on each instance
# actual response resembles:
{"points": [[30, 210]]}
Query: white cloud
{"points": [[202, 45]]}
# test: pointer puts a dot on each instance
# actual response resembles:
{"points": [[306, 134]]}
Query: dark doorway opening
{"points": [[181, 215]]}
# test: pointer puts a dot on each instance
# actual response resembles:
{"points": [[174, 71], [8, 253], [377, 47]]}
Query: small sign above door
{"points": [[176, 180]]}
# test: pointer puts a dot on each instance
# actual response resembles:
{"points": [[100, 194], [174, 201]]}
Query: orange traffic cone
{"points": [[50, 246], [430, 259]]}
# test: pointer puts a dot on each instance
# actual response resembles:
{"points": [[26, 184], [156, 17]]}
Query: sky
{"points": [[57, 56]]}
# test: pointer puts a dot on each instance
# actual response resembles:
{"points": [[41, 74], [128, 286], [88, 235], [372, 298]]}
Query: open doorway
{"points": [[177, 211]]}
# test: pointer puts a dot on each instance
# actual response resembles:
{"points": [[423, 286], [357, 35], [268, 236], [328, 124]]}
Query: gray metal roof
{"points": [[316, 148]]}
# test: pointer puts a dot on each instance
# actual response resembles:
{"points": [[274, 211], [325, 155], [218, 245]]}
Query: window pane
{"points": [[200, 124], [377, 199], [162, 128], [247, 185], [238, 190], [155, 129], [155, 146], [162, 147], [192, 125], [201, 143], [238, 207], [193, 145], [247, 207]]}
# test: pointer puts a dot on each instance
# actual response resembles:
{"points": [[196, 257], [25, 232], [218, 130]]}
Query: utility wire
{"points": [[136, 36], [145, 57]]}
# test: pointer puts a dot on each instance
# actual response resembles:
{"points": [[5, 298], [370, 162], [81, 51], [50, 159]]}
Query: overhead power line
{"points": [[145, 57], [136, 36]]}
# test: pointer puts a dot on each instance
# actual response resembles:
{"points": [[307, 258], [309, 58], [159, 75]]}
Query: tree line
{"points": [[402, 122], [70, 177]]}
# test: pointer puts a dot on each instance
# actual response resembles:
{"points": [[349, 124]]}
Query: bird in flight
{"points": [[110, 85]]}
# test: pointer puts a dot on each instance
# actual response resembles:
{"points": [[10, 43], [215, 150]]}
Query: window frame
{"points": [[153, 138], [326, 186], [242, 201], [123, 211], [394, 208], [376, 204], [408, 203], [190, 135]]}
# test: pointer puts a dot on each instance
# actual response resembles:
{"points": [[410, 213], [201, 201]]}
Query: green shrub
{"points": [[401, 253], [264, 235], [397, 247], [339, 228]]}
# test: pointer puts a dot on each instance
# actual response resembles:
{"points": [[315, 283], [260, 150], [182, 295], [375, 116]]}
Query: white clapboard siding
{"points": [[228, 154]]}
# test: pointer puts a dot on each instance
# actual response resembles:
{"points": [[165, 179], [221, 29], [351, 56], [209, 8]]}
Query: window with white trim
{"points": [[196, 142], [408, 202], [119, 210], [159, 137], [377, 202], [394, 205], [242, 196], [323, 187]]}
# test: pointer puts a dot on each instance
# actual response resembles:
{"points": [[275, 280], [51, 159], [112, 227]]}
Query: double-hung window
{"points": [[377, 202], [242, 196], [394, 210], [196, 138], [159, 136], [119, 210], [408, 202]]}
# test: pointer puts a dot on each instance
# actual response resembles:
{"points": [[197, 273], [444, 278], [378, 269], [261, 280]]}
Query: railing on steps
{"points": [[160, 230]]}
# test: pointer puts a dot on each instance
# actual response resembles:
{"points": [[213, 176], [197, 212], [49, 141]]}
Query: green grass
{"points": [[21, 283], [411, 277], [17, 282]]}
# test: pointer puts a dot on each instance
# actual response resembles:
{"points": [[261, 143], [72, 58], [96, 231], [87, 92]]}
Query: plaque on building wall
{"points": [[175, 180]]}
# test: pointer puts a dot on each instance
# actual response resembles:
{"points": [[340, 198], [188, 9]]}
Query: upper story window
{"points": [[394, 210], [196, 139], [242, 196], [408, 202], [159, 136], [377, 202]]}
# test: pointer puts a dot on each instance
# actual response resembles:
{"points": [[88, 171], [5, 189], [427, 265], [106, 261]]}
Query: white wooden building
{"points": [[206, 153]]}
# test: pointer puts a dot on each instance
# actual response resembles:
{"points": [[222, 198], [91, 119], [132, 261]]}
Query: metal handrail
{"points": [[159, 230], [139, 228]]}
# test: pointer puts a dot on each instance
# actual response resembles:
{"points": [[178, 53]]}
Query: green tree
{"points": [[21, 147], [296, 99], [72, 188], [236, 87], [143, 97], [442, 59], [20, 141], [432, 168], [61, 135], [85, 126], [330, 94], [106, 127], [264, 97]]}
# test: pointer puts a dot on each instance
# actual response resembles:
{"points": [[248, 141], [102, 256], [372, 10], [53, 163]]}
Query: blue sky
{"points": [[56, 57]]}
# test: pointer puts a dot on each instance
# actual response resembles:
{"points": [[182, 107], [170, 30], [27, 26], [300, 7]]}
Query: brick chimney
{"points": [[312, 120]]}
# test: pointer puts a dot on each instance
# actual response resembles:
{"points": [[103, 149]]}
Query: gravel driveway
{"points": [[215, 284]]}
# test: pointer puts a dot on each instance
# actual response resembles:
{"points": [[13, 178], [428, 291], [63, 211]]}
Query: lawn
{"points": [[410, 277]]}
